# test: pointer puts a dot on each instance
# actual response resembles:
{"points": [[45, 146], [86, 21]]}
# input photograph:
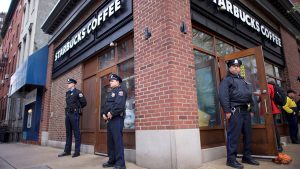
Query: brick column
{"points": [[45, 116], [167, 132], [292, 59]]}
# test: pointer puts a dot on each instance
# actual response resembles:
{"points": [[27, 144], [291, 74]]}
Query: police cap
{"points": [[115, 77], [71, 81], [234, 62]]}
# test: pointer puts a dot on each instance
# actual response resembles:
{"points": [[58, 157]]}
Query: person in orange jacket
{"points": [[275, 112]]}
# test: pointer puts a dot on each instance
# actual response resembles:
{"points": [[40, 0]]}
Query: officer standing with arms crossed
{"points": [[74, 101], [114, 113], [235, 97]]}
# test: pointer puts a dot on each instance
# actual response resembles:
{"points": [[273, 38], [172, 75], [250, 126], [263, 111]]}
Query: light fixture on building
{"points": [[112, 44], [29, 111], [147, 33], [183, 27]]}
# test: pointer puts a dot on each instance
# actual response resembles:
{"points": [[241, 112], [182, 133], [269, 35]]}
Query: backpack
{"points": [[279, 96]]}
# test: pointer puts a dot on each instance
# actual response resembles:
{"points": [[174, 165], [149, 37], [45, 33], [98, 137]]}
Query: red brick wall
{"points": [[57, 103], [292, 58], [44, 125], [10, 47], [164, 66]]}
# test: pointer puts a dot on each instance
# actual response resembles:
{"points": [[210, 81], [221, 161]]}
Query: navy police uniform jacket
{"points": [[75, 100], [115, 102], [234, 91]]}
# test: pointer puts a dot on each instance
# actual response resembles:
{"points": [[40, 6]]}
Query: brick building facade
{"points": [[10, 39], [171, 56]]}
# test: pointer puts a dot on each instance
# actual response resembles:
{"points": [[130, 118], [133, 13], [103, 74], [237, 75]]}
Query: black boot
{"points": [[119, 167], [249, 160], [234, 164], [107, 164], [64, 154], [75, 155]]}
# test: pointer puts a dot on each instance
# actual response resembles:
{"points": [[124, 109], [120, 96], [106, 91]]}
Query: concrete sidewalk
{"points": [[24, 156], [292, 150]]}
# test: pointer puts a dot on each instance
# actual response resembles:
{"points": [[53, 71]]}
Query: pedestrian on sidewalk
{"points": [[236, 98], [292, 115], [275, 112], [114, 113], [75, 100]]}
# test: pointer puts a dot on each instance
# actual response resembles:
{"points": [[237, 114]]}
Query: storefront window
{"points": [[207, 99], [269, 69], [203, 40], [125, 49], [223, 48], [107, 59], [274, 73], [126, 71], [201, 57]]}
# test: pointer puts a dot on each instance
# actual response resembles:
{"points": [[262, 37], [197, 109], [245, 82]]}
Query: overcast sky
{"points": [[4, 5]]}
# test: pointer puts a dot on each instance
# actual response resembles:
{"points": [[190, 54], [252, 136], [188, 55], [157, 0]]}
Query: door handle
{"points": [[266, 107]]}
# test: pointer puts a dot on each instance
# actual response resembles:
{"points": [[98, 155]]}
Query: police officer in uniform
{"points": [[236, 97], [114, 113], [74, 101]]}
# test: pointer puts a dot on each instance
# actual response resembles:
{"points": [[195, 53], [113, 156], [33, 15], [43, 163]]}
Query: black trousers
{"points": [[239, 122], [277, 134], [115, 141], [72, 124], [293, 126]]}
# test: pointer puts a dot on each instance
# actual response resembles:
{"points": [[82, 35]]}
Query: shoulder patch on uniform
{"points": [[121, 93], [80, 95]]}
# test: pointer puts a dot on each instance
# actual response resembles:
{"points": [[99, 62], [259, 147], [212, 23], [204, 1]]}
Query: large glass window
{"points": [[203, 40], [206, 49], [275, 73], [250, 73], [107, 58], [126, 71], [120, 55], [207, 97], [125, 49], [223, 48]]}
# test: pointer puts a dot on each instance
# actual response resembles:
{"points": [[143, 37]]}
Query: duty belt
{"points": [[71, 110], [244, 107]]}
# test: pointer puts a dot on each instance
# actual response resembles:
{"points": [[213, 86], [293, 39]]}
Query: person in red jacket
{"points": [[275, 112]]}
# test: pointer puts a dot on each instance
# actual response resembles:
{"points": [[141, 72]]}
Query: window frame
{"points": [[217, 74]]}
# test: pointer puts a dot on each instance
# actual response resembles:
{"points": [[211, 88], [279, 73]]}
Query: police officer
{"points": [[74, 101], [114, 112], [235, 97]]}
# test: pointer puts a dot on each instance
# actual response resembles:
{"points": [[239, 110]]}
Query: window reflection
{"points": [[223, 48], [269, 69], [203, 40], [208, 109], [107, 59], [125, 49], [126, 72], [249, 72]]}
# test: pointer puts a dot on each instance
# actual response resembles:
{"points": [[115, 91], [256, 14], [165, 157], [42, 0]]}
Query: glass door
{"points": [[263, 138]]}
